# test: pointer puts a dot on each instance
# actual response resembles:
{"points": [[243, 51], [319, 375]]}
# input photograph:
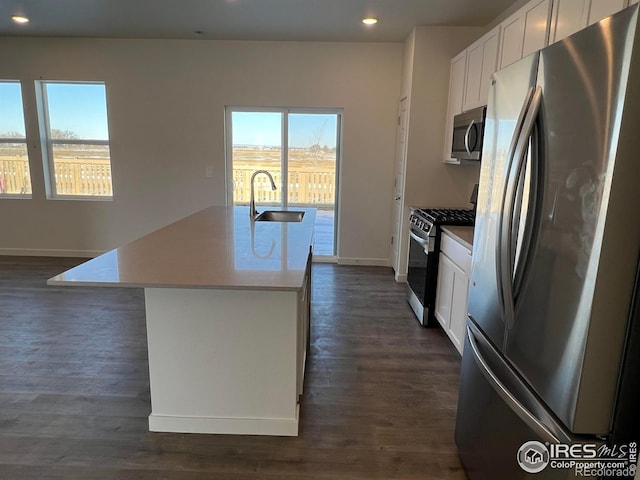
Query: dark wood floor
{"points": [[379, 403]]}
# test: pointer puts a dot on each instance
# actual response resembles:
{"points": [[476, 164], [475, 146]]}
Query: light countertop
{"points": [[218, 247], [464, 235]]}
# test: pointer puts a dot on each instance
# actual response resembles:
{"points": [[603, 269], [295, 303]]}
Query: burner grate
{"points": [[448, 216]]}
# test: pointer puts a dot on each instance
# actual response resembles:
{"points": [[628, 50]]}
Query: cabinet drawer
{"points": [[458, 253]]}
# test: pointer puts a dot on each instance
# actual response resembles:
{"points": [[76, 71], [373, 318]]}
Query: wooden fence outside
{"points": [[76, 176], [14, 176], [306, 187], [307, 184]]}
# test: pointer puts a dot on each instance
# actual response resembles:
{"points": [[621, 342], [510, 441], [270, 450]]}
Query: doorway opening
{"points": [[300, 148]]}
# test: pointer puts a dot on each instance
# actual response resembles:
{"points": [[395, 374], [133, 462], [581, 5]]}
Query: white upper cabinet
{"points": [[569, 16], [604, 8], [456, 95], [482, 61], [524, 32], [469, 81], [456, 83], [533, 27]]}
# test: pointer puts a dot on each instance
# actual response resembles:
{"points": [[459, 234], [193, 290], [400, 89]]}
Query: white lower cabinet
{"points": [[452, 289], [304, 327]]}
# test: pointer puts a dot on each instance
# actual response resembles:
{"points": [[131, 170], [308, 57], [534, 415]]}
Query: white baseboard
{"points": [[370, 262], [401, 277], [232, 426], [36, 252], [324, 259]]}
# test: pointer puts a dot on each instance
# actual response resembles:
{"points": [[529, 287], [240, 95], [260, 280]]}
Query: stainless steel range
{"points": [[424, 253]]}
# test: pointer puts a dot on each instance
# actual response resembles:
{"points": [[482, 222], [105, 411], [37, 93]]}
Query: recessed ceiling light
{"points": [[20, 19], [369, 21]]}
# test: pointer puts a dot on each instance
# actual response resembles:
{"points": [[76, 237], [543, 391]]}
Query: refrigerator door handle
{"points": [[499, 224], [525, 415], [529, 210], [506, 224]]}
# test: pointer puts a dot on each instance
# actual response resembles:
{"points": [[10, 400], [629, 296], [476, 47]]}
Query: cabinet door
{"points": [[456, 84], [459, 308], [451, 300], [456, 92], [536, 26], [444, 291], [512, 39], [482, 60], [304, 314], [525, 31], [604, 8], [489, 64], [473, 76], [568, 17]]}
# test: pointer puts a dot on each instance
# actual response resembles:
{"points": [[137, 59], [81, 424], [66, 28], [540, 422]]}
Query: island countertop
{"points": [[219, 247]]}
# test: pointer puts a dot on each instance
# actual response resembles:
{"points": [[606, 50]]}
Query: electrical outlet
{"points": [[209, 172]]}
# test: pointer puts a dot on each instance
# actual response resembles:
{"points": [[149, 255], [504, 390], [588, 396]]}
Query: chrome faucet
{"points": [[252, 203]]}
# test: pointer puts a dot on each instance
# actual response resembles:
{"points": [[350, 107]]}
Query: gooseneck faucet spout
{"points": [[252, 202]]}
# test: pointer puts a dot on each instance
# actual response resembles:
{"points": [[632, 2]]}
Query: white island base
{"points": [[224, 361], [227, 313]]}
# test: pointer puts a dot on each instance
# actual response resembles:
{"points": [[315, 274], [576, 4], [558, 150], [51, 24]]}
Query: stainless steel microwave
{"points": [[468, 129]]}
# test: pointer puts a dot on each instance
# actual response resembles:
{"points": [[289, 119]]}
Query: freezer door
{"points": [[509, 97], [497, 414], [573, 256]]}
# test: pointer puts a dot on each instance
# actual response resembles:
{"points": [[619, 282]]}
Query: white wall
{"points": [[166, 103], [429, 182]]}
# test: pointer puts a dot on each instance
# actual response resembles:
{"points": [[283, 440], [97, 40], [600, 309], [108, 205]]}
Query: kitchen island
{"points": [[227, 315]]}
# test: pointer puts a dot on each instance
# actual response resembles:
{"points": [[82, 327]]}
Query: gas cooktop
{"points": [[447, 216]]}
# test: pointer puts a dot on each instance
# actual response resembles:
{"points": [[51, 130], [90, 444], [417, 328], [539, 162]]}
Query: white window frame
{"points": [[48, 142], [23, 140], [284, 158]]}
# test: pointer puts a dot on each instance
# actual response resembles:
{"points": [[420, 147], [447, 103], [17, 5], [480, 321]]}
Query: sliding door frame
{"points": [[284, 155]]}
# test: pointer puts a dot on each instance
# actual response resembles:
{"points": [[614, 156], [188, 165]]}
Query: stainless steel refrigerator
{"points": [[552, 349]]}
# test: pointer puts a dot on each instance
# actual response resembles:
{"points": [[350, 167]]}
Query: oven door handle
{"points": [[421, 241]]}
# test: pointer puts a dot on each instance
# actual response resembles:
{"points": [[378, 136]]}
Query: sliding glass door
{"points": [[305, 171]]}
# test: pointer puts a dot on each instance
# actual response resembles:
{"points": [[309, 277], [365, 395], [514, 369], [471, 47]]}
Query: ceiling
{"points": [[304, 20]]}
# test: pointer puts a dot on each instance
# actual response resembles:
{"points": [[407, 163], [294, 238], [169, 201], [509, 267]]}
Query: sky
{"points": [[80, 108], [11, 118], [264, 129]]}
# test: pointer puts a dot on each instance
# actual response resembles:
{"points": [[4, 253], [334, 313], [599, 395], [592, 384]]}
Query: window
{"points": [[74, 127], [15, 178], [300, 148]]}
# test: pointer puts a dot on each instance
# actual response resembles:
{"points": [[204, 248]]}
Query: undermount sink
{"points": [[279, 216]]}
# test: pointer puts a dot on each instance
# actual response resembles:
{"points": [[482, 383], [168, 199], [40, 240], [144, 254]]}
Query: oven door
{"points": [[419, 247]]}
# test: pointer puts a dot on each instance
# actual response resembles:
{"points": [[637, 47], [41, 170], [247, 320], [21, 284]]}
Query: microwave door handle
{"points": [[466, 137]]}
